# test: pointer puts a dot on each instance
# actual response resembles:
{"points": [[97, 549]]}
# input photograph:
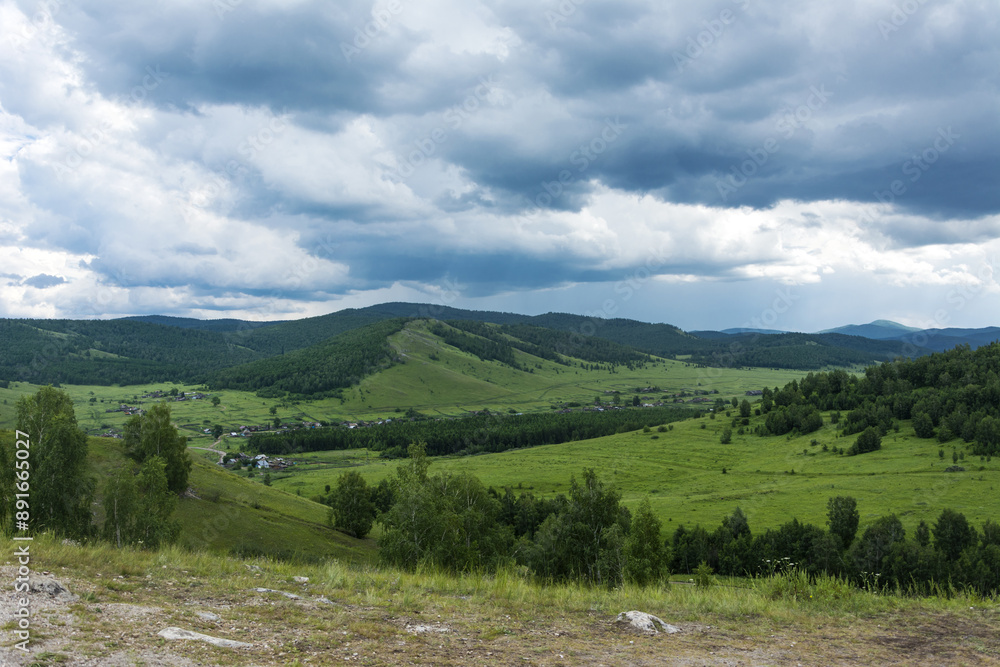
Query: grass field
{"points": [[772, 479]]}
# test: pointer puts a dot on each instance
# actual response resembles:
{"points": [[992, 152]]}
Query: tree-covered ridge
{"points": [[799, 351], [156, 348], [498, 342], [481, 341], [541, 341], [224, 324], [469, 435], [325, 368], [790, 350], [111, 352], [286, 337], [954, 394]]}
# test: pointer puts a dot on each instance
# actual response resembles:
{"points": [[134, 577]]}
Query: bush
{"points": [[868, 441], [703, 575]]}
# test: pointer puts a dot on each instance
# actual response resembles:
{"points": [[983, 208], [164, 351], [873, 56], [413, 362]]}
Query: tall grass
{"points": [[778, 598]]}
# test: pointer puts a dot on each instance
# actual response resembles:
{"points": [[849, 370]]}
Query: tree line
{"points": [[452, 522], [947, 395], [137, 498], [483, 432], [109, 352]]}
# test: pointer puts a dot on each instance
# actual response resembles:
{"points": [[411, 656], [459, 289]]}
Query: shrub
{"points": [[703, 575]]}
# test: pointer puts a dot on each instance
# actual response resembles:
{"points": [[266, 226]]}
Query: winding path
{"points": [[222, 454]]}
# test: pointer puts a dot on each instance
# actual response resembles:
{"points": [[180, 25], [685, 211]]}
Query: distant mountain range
{"points": [[879, 330], [154, 348], [936, 340]]}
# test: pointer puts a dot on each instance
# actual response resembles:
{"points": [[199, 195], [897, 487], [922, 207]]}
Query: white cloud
{"points": [[294, 183]]}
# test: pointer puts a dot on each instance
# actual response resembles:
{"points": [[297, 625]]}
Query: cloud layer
{"points": [[281, 158]]}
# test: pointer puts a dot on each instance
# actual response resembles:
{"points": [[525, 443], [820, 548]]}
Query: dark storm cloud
{"points": [[405, 141], [728, 75]]}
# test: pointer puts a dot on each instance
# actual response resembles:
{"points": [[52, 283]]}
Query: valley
{"points": [[725, 468]]}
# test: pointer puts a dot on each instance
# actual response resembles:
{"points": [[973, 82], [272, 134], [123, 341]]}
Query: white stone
{"points": [[644, 622], [178, 633], [290, 596]]}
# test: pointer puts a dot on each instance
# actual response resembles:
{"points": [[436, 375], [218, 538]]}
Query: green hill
{"points": [[110, 352], [224, 325], [228, 514], [335, 364], [157, 349]]}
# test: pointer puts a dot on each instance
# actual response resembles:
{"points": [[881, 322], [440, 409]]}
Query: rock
{"points": [[207, 616], [421, 629], [301, 580], [647, 623], [325, 600], [178, 633], [43, 584], [290, 596]]}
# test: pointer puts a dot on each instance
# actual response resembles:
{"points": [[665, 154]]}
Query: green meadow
{"points": [[431, 377], [772, 479]]}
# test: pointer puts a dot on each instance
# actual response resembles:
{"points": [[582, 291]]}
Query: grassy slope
{"points": [[455, 381], [681, 472], [231, 512]]}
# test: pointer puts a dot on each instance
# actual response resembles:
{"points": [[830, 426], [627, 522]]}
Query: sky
{"points": [[794, 165]]}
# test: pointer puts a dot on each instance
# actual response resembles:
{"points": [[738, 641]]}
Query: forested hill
{"points": [[322, 369], [342, 361], [799, 351], [110, 352], [159, 348], [498, 342], [948, 395], [226, 325], [788, 350]]}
